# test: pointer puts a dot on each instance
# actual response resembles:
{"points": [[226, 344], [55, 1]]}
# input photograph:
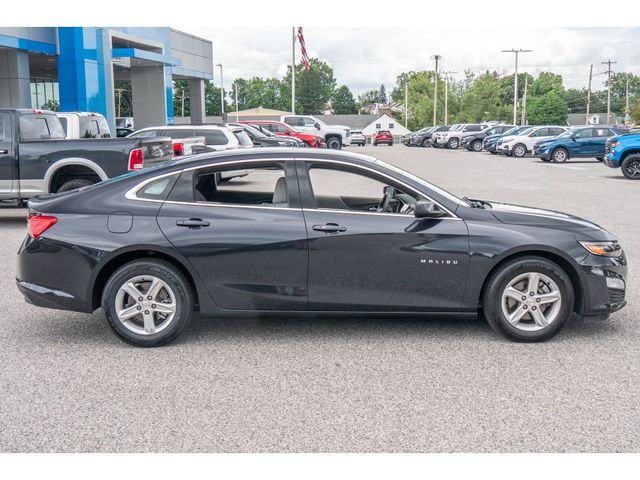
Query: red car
{"points": [[279, 128], [383, 136]]}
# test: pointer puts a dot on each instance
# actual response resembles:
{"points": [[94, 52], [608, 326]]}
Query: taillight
{"points": [[136, 162], [178, 149], [38, 224]]}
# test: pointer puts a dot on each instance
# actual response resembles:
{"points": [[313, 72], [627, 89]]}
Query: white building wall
{"points": [[385, 122]]}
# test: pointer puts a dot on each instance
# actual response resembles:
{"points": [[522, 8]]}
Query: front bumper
{"points": [[611, 162], [604, 285]]}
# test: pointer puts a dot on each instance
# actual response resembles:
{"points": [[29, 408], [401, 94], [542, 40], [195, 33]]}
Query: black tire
{"points": [[334, 143], [519, 150], [425, 143], [493, 153], [73, 185], [560, 155], [546, 160], [631, 167], [476, 146], [453, 143], [600, 159], [172, 276], [500, 279]]}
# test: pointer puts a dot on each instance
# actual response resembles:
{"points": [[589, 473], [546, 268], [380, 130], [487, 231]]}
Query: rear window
{"points": [[94, 127], [177, 133], [158, 189], [213, 137], [40, 127], [384, 132]]}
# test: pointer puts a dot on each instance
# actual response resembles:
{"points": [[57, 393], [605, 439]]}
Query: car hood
{"points": [[521, 215]]}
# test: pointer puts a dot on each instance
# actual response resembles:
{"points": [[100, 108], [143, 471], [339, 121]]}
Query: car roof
{"points": [[184, 127]]}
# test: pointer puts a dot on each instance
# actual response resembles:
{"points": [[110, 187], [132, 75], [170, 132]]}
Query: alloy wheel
{"points": [[145, 305], [531, 301], [560, 155], [477, 146], [519, 151], [632, 168]]}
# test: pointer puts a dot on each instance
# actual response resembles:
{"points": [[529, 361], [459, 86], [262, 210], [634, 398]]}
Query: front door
{"points": [[244, 235], [7, 158], [363, 259]]}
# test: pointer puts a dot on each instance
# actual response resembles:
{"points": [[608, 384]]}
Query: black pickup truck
{"points": [[35, 157]]}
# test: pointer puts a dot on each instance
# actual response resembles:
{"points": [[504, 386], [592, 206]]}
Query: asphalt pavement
{"points": [[341, 384]]}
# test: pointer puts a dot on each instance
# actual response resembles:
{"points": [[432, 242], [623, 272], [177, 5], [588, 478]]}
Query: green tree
{"points": [[421, 93], [257, 92], [483, 100], [382, 94], [123, 99], [343, 101], [545, 83], [367, 98], [52, 105], [313, 87], [547, 109], [181, 98], [212, 100]]}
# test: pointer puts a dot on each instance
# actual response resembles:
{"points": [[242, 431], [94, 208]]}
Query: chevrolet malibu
{"points": [[309, 231]]}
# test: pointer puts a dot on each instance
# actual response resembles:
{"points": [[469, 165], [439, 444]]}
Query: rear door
{"points": [[7, 155], [245, 237]]}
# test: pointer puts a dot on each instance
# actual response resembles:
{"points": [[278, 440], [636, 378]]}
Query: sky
{"points": [[363, 58]]}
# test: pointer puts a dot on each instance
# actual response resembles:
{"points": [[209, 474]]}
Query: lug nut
{"points": [[524, 307], [139, 307], [140, 299], [149, 297], [538, 300], [533, 308], [146, 312], [532, 293], [153, 305], [524, 298]]}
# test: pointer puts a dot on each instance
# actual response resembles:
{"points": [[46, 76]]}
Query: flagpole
{"points": [[293, 71]]}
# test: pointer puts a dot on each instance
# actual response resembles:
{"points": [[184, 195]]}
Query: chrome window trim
{"points": [[131, 193]]}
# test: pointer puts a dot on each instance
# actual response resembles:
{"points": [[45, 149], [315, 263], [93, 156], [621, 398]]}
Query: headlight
{"points": [[603, 249], [615, 143]]}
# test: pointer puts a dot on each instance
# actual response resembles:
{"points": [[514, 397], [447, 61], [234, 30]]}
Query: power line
{"points": [[608, 63]]}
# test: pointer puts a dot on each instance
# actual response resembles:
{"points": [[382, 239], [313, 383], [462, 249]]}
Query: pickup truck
{"points": [[84, 125], [336, 136], [623, 151], [35, 157]]}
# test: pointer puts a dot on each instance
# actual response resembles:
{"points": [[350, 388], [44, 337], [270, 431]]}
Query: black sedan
{"points": [[309, 231], [264, 138]]}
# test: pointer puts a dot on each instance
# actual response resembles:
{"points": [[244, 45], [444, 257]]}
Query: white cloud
{"points": [[363, 58]]}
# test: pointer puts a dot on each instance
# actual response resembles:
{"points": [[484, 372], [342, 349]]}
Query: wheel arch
{"points": [[561, 147], [631, 151], [68, 164], [123, 256], [552, 255]]}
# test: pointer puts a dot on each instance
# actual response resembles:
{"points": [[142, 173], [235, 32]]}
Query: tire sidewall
{"points": [[563, 159], [334, 143], [625, 163], [492, 300], [73, 185], [453, 143], [515, 150], [163, 270], [473, 146]]}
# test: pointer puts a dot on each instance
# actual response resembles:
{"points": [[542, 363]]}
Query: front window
{"points": [[337, 188]]}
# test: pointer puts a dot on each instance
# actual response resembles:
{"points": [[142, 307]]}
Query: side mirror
{"points": [[428, 210], [317, 125]]}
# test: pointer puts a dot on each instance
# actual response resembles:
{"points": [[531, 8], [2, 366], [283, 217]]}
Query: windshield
{"points": [[526, 131], [423, 182], [568, 133], [254, 131], [318, 120]]}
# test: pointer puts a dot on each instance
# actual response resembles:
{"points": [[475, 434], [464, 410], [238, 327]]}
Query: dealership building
{"points": [[78, 67]]}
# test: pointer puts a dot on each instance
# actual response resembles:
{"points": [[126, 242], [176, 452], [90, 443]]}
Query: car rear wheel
{"points": [[477, 145], [453, 143], [631, 167], [528, 299], [147, 302], [560, 155], [426, 142], [74, 184], [519, 150]]}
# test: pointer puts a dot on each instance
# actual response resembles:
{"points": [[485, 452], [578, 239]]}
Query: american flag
{"points": [[305, 57]]}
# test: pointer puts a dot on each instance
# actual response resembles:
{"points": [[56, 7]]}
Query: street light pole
{"points": [[437, 59], [446, 96], [221, 91], [515, 83]]}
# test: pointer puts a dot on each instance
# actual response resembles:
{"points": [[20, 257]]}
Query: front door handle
{"points": [[193, 223], [329, 228], [3, 151]]}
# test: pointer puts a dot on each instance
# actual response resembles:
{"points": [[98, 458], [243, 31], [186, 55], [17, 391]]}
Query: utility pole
{"points": [[236, 88], [515, 83], [523, 118], [293, 71], [182, 102], [586, 119], [446, 96], [608, 63], [626, 107], [221, 91], [437, 58], [119, 94], [406, 103]]}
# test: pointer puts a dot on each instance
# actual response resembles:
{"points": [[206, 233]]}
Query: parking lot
{"points": [[339, 384]]}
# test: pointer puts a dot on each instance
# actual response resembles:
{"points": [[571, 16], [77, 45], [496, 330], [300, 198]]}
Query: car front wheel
{"points": [[477, 146], [560, 155], [453, 143], [528, 299], [631, 167], [334, 143], [519, 150], [147, 302]]}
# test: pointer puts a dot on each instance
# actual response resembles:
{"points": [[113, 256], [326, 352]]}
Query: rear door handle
{"points": [[3, 151], [329, 228], [193, 223]]}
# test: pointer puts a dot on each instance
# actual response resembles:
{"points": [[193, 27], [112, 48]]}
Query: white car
{"points": [[336, 136], [452, 138], [521, 144], [84, 125]]}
